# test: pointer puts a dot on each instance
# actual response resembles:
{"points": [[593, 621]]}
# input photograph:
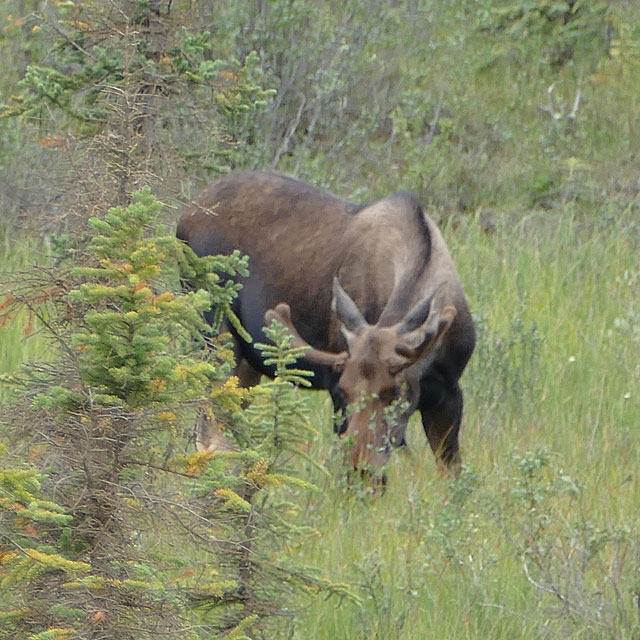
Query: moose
{"points": [[370, 288]]}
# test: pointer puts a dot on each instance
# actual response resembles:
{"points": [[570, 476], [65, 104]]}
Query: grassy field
{"points": [[16, 254], [538, 537], [469, 106]]}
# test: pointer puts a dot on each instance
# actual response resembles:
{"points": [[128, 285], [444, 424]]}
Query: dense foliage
{"points": [[434, 97], [126, 95], [515, 121], [90, 543]]}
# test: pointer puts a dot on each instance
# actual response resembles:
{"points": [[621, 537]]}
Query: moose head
{"points": [[375, 369]]}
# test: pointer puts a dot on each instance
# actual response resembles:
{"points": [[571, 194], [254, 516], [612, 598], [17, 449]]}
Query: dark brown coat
{"points": [[372, 288]]}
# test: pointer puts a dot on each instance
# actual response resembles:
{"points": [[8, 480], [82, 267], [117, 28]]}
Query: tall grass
{"points": [[538, 538], [17, 253]]}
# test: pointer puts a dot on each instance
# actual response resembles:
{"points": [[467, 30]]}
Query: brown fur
{"points": [[389, 259]]}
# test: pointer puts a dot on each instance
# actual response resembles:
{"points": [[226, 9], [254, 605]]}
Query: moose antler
{"points": [[282, 313], [424, 324], [559, 111]]}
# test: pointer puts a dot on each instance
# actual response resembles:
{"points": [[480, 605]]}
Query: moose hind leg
{"points": [[441, 410]]}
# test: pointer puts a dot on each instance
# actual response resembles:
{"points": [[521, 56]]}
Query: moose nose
{"points": [[364, 427]]}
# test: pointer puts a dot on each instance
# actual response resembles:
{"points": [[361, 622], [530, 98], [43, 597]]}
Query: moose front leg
{"points": [[441, 411], [207, 432], [339, 410]]}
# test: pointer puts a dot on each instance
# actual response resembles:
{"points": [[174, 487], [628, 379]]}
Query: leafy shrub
{"points": [[563, 31]]}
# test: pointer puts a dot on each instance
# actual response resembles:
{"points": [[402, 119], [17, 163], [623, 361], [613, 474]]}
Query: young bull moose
{"points": [[372, 288]]}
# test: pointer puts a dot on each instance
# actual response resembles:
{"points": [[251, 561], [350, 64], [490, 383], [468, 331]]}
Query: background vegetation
{"points": [[516, 123]]}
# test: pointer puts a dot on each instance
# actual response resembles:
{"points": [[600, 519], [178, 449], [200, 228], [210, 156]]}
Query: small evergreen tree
{"points": [[32, 553], [149, 538], [252, 488]]}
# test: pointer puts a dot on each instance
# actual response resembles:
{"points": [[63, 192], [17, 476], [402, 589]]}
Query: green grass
{"points": [[17, 253], [554, 383], [549, 441]]}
